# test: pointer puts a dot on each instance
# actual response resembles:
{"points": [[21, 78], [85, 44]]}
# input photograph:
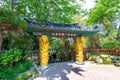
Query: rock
{"points": [[117, 64], [80, 63], [30, 78], [99, 60], [20, 77], [24, 76], [28, 74], [104, 55], [37, 69], [114, 57], [34, 72], [115, 61], [88, 56]]}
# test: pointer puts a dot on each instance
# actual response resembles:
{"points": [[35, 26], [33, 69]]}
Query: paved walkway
{"points": [[72, 71]]}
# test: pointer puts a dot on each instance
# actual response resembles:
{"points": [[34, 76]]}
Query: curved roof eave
{"points": [[64, 28]]}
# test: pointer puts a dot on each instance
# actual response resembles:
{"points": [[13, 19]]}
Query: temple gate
{"points": [[58, 30]]}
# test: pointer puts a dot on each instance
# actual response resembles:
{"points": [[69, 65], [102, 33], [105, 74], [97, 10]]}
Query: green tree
{"points": [[39, 10], [10, 22], [104, 13], [105, 10]]}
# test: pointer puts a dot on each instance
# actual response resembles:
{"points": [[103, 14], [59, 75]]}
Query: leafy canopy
{"points": [[105, 10], [39, 10], [6, 16]]}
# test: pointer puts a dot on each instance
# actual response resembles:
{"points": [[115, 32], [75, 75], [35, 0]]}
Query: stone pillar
{"points": [[44, 55], [79, 43]]}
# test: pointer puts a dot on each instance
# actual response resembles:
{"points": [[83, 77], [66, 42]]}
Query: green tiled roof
{"points": [[53, 28]]}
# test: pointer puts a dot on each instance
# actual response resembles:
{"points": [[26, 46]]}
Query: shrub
{"points": [[12, 73], [93, 58], [107, 60], [9, 57], [112, 44], [7, 16], [24, 76], [26, 43]]}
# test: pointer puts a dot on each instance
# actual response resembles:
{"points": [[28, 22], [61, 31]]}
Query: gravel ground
{"points": [[73, 71]]}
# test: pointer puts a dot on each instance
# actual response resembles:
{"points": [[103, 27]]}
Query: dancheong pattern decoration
{"points": [[56, 29]]}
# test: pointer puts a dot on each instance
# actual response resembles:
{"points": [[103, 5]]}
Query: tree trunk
{"points": [[67, 48], [118, 33], [12, 5], [1, 41]]}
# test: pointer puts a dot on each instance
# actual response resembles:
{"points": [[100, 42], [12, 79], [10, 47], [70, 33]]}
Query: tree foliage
{"points": [[104, 13], [14, 21], [40, 10], [105, 10], [9, 22], [112, 44]]}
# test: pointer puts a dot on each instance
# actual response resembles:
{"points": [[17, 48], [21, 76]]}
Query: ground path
{"points": [[73, 71]]}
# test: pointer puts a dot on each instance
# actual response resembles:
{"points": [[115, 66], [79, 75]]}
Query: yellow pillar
{"points": [[44, 55], [79, 43]]}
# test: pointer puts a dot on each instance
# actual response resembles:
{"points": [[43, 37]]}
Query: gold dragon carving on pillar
{"points": [[79, 43], [44, 46]]}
